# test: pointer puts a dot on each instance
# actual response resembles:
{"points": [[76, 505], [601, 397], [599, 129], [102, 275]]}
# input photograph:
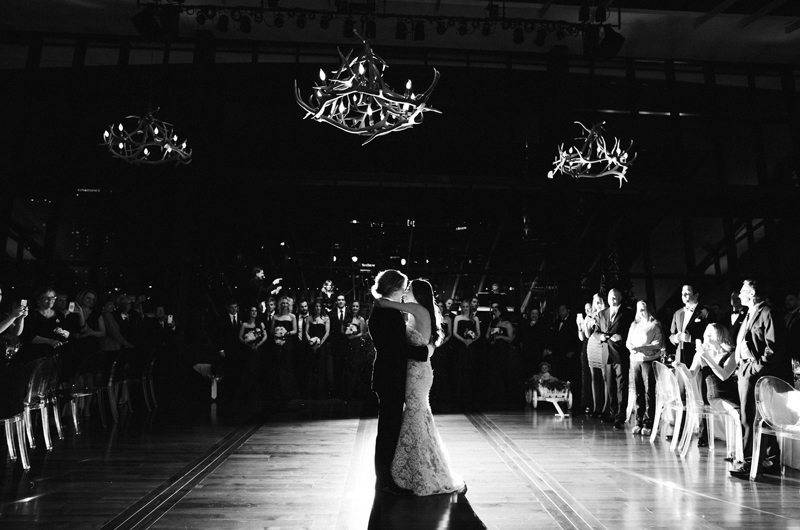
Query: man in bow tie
{"points": [[688, 324]]}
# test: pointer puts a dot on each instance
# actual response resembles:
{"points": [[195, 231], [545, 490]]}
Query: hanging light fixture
{"points": [[591, 157], [356, 99], [146, 140]]}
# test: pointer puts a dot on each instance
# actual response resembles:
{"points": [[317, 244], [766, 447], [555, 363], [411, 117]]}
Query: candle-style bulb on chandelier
{"points": [[356, 99], [594, 156], [146, 140]]}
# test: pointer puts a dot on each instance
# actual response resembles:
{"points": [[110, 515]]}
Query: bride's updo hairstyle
{"points": [[423, 292], [389, 281]]}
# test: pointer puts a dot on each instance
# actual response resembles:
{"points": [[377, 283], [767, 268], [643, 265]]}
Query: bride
{"points": [[421, 463]]}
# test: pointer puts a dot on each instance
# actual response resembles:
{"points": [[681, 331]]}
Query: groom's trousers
{"points": [[390, 419]]}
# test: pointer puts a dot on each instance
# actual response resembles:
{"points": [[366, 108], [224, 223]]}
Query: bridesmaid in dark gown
{"points": [[466, 331], [442, 362], [318, 329], [284, 335], [356, 368], [499, 336]]}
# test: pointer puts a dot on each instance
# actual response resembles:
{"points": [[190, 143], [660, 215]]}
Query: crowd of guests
{"points": [[729, 352], [84, 334]]}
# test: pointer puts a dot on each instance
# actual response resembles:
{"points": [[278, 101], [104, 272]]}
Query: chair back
{"points": [[666, 383], [42, 380], [694, 396], [778, 403]]}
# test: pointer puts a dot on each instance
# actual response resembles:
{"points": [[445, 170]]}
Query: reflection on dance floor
{"points": [[437, 511]]}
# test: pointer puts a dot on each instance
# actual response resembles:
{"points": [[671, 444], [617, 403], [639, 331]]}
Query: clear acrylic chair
{"points": [[696, 410], [668, 398], [42, 383], [777, 413]]}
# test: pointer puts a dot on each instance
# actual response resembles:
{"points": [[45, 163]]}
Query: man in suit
{"points": [[229, 348], [340, 318], [759, 352], [613, 324], [388, 330], [688, 324], [566, 349], [792, 325]]}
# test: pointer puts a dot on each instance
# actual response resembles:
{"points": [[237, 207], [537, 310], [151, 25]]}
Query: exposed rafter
{"points": [[716, 10], [793, 26], [766, 9]]}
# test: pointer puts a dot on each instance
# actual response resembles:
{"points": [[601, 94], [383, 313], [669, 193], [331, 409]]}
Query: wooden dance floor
{"points": [[523, 469]]}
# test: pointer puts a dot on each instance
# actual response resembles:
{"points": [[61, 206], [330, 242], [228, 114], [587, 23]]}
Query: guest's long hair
{"points": [[423, 292], [718, 333], [641, 307]]}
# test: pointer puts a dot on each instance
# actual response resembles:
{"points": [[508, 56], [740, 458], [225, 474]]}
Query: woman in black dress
{"points": [[442, 361], [43, 329], [318, 329], [499, 336], [284, 333], [466, 331], [355, 364]]}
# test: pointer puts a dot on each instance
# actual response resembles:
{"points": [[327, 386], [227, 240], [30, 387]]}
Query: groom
{"points": [[388, 330]]}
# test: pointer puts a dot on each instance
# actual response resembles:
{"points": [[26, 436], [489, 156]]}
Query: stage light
{"points": [[441, 27], [369, 28], [427, 261], [352, 221], [283, 243], [541, 36], [519, 35], [403, 262], [300, 21], [401, 31], [486, 29], [334, 259], [611, 44], [278, 21], [347, 29], [222, 23], [462, 28], [325, 22], [245, 25], [354, 259], [419, 30]]}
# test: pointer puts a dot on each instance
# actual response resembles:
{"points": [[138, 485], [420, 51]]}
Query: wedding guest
{"points": [[302, 319], [565, 347], [500, 384], [92, 330], [535, 336], [284, 332], [645, 342], [252, 335], [321, 382], [715, 362], [14, 321], [44, 328], [255, 290], [442, 360], [737, 316], [229, 350], [598, 358], [302, 359], [357, 378], [612, 327], [466, 330], [327, 295], [450, 308], [758, 353], [688, 324], [792, 325], [587, 397], [340, 317]]}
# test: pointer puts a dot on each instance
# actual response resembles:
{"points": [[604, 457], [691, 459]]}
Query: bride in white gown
{"points": [[421, 463]]}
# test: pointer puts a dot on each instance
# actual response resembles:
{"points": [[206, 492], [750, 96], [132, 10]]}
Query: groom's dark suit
{"points": [[388, 331]]}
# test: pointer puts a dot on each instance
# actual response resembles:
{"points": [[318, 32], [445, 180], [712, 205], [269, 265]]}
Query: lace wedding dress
{"points": [[421, 463]]}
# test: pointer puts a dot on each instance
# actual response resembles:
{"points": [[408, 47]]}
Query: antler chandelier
{"points": [[146, 140], [356, 99], [591, 157]]}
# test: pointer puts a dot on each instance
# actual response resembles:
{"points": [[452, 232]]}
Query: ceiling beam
{"points": [[544, 8], [766, 9], [793, 26], [716, 10]]}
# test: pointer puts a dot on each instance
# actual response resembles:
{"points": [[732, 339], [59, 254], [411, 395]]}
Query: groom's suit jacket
{"points": [[388, 331]]}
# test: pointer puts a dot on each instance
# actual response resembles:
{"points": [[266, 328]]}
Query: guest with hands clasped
{"points": [[688, 324], [646, 343]]}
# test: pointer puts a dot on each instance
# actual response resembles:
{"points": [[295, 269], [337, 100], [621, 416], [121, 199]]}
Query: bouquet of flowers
{"points": [[470, 334], [253, 337], [280, 336], [11, 345], [351, 329], [314, 341]]}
